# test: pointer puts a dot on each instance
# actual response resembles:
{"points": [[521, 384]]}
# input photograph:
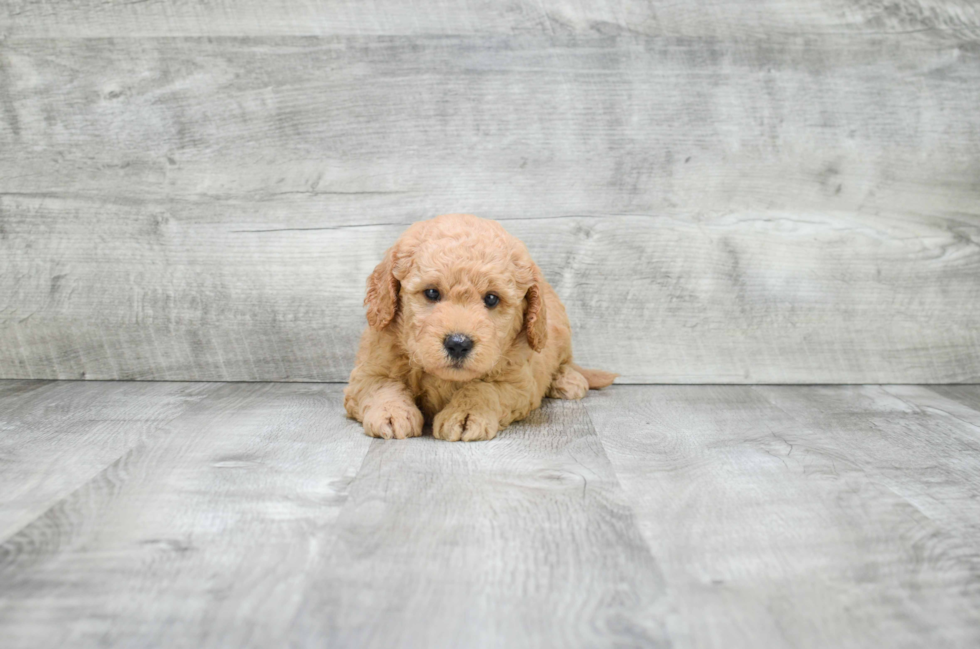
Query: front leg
{"points": [[479, 410], [385, 407]]}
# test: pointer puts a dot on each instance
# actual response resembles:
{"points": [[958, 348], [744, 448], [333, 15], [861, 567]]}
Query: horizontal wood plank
{"points": [[740, 298], [96, 18], [393, 129]]}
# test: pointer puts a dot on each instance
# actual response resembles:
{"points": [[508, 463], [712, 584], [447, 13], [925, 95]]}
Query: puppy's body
{"points": [[452, 280]]}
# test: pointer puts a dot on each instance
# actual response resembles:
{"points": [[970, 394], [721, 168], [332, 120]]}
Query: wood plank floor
{"points": [[256, 515]]}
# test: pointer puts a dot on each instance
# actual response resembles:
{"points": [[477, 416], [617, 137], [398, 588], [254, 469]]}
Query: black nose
{"points": [[457, 346]]}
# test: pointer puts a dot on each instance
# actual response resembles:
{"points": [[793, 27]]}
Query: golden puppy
{"points": [[464, 331]]}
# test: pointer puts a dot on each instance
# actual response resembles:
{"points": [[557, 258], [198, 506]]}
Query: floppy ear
{"points": [[535, 314], [382, 293]]}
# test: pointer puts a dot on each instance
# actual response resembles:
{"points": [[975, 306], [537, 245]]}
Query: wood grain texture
{"points": [[968, 395], [802, 517], [198, 538], [715, 204], [643, 516], [522, 542], [739, 298], [235, 529], [922, 447], [55, 437], [97, 18], [385, 129]]}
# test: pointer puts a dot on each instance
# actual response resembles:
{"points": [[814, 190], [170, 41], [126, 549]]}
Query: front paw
{"points": [[393, 419], [454, 425]]}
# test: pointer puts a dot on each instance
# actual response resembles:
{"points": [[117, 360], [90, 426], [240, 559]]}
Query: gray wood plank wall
{"points": [[720, 191]]}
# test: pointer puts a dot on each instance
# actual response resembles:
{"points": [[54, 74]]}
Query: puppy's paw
{"points": [[454, 425], [568, 384], [393, 419]]}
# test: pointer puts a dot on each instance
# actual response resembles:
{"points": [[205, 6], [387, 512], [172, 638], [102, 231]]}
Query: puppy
{"points": [[464, 332]]}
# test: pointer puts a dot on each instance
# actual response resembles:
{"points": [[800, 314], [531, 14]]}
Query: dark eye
{"points": [[490, 300], [431, 294]]}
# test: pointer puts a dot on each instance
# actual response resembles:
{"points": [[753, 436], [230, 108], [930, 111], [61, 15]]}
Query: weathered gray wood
{"points": [[792, 203], [913, 442], [55, 437], [384, 129], [97, 18], [695, 516], [696, 299], [796, 517], [201, 537], [522, 542], [219, 532], [969, 395], [957, 402]]}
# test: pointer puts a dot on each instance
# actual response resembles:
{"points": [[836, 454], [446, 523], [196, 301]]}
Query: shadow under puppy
{"points": [[464, 332]]}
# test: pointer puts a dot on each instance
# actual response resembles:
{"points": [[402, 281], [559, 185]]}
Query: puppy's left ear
{"points": [[535, 314], [382, 292]]}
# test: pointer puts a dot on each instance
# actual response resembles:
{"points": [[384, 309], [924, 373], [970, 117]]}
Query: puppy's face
{"points": [[460, 311], [463, 291]]}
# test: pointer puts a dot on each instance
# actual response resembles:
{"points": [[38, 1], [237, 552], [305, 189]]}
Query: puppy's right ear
{"points": [[382, 292]]}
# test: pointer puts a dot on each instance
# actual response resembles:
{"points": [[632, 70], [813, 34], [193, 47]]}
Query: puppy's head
{"points": [[459, 292]]}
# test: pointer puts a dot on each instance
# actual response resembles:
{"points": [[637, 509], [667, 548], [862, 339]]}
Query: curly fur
{"points": [[522, 350]]}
